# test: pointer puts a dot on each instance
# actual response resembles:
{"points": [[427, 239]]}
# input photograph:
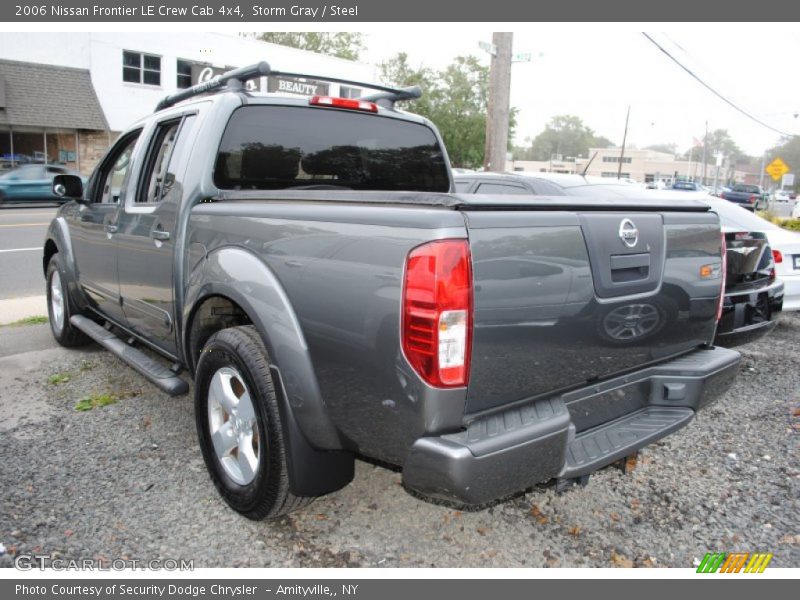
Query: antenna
{"points": [[586, 168]]}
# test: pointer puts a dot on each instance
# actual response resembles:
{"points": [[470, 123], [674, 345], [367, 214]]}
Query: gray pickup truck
{"points": [[305, 261]]}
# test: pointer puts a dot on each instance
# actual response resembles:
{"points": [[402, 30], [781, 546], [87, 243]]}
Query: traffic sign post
{"points": [[777, 169]]}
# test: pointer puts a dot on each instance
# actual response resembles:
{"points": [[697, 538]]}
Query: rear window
{"points": [[283, 147], [748, 189]]}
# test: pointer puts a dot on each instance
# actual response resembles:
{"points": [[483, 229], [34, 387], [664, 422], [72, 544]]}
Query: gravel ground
{"points": [[127, 480]]}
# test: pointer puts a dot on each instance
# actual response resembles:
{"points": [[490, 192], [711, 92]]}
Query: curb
{"points": [[15, 309]]}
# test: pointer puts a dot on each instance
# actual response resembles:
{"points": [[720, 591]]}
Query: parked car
{"points": [[304, 261], [31, 183], [785, 246], [687, 186], [753, 295], [750, 197]]}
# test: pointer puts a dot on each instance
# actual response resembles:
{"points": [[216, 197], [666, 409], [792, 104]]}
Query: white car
{"points": [[785, 246]]}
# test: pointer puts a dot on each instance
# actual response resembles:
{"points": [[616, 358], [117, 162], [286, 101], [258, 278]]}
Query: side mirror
{"points": [[68, 186]]}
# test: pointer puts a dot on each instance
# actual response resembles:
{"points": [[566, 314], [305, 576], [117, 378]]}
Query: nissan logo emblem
{"points": [[628, 233]]}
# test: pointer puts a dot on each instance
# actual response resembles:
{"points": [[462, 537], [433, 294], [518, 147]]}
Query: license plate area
{"points": [[797, 262]]}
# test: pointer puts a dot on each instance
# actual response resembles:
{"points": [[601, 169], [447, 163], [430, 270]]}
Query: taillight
{"points": [[777, 256], [348, 103], [724, 278], [753, 199], [437, 312]]}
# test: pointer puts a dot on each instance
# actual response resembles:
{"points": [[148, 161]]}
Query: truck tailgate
{"points": [[565, 298]]}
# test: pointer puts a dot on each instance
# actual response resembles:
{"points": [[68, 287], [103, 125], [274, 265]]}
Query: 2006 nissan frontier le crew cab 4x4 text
{"points": [[305, 262]]}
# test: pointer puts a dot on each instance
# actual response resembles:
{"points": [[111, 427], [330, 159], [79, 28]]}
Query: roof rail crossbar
{"points": [[239, 75], [384, 95], [388, 98]]}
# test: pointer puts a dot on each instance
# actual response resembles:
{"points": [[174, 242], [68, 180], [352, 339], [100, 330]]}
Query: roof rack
{"points": [[384, 96]]}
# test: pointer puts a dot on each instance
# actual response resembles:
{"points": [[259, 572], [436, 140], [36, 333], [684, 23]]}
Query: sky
{"points": [[594, 71]]}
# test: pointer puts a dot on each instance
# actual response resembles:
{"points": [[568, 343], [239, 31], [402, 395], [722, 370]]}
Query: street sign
{"points": [[787, 181], [487, 47], [777, 169]]}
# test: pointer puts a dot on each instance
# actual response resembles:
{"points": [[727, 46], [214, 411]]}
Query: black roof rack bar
{"points": [[388, 99], [240, 75], [385, 95]]}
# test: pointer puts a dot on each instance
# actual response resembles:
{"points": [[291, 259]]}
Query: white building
{"points": [[131, 72]]}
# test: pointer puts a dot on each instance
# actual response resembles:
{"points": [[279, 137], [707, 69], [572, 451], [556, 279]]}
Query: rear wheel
{"points": [[239, 425], [60, 307]]}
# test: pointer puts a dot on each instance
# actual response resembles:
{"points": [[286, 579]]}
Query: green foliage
{"points": [[96, 400], [58, 378], [791, 224], [36, 320], [565, 135], [344, 44], [455, 99]]}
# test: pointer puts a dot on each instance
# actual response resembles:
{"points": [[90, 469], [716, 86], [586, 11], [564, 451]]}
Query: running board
{"points": [[603, 445], [158, 374]]}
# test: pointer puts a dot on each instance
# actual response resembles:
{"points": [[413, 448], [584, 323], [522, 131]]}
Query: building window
{"points": [[349, 92], [616, 159], [184, 74], [614, 175], [141, 68]]}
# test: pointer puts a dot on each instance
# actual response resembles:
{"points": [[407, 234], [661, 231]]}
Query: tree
{"points": [[565, 135], [454, 99], [343, 44]]}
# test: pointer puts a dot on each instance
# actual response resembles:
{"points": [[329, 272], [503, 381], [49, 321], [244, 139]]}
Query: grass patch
{"points": [[35, 320], [86, 365], [96, 400], [58, 378]]}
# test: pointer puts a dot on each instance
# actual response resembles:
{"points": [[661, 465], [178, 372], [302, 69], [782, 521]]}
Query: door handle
{"points": [[159, 234], [111, 228]]}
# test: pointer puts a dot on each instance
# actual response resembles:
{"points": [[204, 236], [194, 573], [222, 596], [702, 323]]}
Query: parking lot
{"points": [[125, 479]]}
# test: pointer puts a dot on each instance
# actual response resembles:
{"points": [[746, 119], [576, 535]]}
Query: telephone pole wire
{"points": [[499, 103]]}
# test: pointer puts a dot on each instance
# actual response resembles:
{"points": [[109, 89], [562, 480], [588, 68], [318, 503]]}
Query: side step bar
{"points": [[158, 374], [603, 445]]}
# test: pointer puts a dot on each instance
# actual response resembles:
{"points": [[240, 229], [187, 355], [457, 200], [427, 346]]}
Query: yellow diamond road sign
{"points": [[777, 169]]}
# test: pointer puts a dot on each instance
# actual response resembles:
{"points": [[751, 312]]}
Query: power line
{"points": [[715, 92]]}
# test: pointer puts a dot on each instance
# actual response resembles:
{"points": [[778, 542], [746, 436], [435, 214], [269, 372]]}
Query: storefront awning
{"points": [[36, 95]]}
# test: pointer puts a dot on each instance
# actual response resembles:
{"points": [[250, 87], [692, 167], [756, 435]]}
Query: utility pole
{"points": [[705, 143], [499, 103], [624, 139]]}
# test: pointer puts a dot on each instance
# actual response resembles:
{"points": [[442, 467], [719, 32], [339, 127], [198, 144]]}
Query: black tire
{"points": [[63, 331], [267, 495]]}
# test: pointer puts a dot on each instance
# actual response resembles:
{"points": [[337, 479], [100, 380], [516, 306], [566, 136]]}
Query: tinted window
{"points": [[281, 147], [748, 189], [500, 188]]}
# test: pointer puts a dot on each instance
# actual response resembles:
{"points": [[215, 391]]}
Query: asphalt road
{"points": [[22, 230]]}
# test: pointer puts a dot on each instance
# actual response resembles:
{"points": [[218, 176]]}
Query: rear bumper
{"points": [[749, 315], [512, 450]]}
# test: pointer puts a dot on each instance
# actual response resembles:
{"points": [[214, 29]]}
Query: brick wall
{"points": [[92, 147]]}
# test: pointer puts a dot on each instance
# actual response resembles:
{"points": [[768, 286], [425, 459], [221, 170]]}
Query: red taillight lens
{"points": [[724, 278], [437, 312], [753, 199], [777, 256], [348, 103]]}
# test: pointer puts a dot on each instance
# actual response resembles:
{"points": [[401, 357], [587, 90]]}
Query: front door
{"points": [[94, 225], [146, 235]]}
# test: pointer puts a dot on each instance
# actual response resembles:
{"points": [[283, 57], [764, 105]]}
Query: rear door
{"points": [[146, 234]]}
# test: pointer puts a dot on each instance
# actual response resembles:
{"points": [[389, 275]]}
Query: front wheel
{"points": [[239, 425], [60, 307]]}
